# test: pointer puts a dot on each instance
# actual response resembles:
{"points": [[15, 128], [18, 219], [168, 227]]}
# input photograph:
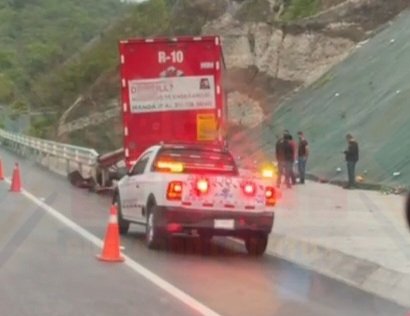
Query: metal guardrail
{"points": [[80, 155]]}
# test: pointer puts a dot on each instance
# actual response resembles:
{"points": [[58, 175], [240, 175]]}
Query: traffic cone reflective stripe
{"points": [[16, 180], [1, 171], [113, 219], [111, 247]]}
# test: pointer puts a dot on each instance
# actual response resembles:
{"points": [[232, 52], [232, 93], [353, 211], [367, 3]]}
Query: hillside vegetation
{"points": [[36, 36]]}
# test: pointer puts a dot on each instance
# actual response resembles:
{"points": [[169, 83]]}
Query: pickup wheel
{"points": [[153, 235], [123, 225], [256, 245]]}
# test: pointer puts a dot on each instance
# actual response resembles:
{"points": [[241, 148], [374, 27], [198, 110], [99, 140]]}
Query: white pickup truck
{"points": [[196, 190]]}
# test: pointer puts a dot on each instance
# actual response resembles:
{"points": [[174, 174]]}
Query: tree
{"points": [[6, 89]]}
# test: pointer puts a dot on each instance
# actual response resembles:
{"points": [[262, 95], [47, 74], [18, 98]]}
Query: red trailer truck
{"points": [[171, 92]]}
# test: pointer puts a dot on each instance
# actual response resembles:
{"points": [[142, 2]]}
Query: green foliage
{"points": [[254, 11], [37, 35], [300, 9], [19, 107], [190, 16], [7, 90], [42, 127]]}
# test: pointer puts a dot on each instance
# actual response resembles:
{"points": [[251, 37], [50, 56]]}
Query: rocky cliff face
{"points": [[267, 60]]}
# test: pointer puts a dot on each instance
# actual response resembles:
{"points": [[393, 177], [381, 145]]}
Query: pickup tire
{"points": [[123, 225], [154, 236], [256, 244], [75, 178]]}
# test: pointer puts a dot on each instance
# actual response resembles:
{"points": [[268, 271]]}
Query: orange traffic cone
{"points": [[111, 248], [16, 180], [1, 171]]}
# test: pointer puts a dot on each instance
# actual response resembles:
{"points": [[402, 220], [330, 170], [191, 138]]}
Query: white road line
{"points": [[147, 274]]}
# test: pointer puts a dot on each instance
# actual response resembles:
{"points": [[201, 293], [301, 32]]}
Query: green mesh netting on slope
{"points": [[367, 95]]}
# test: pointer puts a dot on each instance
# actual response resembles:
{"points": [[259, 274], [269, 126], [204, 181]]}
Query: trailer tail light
{"points": [[270, 197], [169, 166], [249, 188], [174, 192]]}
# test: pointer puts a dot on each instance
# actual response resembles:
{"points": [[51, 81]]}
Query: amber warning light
{"points": [[168, 166], [267, 173]]}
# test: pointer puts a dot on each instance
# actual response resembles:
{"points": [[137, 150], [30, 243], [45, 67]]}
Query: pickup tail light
{"points": [[249, 188], [174, 192], [270, 196], [202, 186]]}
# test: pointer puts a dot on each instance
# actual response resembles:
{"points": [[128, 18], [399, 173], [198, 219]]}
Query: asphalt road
{"points": [[48, 269]]}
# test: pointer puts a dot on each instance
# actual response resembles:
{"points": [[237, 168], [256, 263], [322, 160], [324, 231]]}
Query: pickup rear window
{"points": [[195, 161]]}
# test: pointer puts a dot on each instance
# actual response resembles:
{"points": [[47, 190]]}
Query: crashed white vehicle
{"points": [[195, 190]]}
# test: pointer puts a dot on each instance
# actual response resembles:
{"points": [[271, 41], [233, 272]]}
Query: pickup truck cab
{"points": [[196, 190]]}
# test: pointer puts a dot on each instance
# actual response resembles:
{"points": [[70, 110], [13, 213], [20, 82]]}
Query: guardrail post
{"points": [[67, 160], [79, 163], [48, 160]]}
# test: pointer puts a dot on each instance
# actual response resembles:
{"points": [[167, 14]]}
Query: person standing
{"points": [[303, 153], [289, 139], [289, 157], [280, 159], [352, 157]]}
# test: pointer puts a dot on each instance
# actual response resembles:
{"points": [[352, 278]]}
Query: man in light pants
{"points": [[303, 153]]}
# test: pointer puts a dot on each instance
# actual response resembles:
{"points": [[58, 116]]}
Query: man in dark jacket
{"points": [[289, 158], [291, 155], [280, 159], [352, 157]]}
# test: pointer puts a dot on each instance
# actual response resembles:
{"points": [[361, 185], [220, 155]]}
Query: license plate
{"points": [[224, 224]]}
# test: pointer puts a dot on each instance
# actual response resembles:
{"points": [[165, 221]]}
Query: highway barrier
{"points": [[58, 157]]}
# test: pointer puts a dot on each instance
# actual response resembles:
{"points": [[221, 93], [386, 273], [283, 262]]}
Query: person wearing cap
{"points": [[303, 153], [289, 159], [352, 157]]}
